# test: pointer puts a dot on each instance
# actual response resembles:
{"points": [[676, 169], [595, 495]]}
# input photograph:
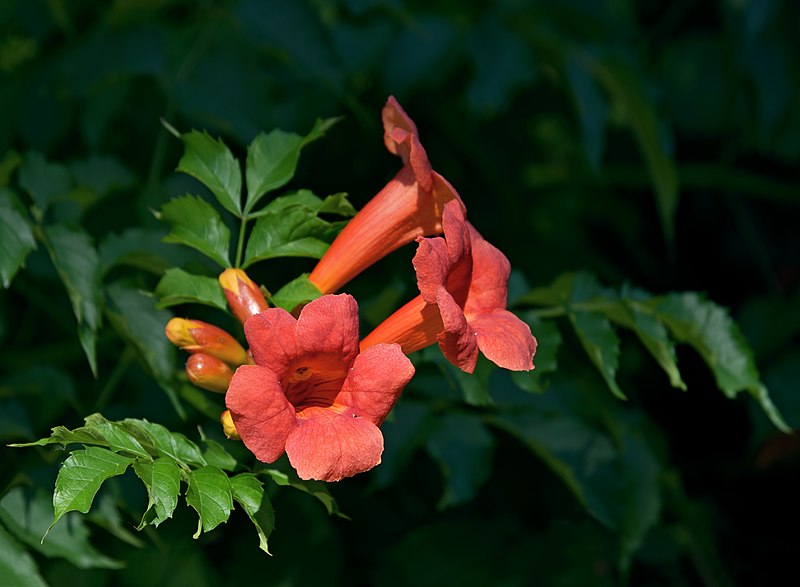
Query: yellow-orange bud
{"points": [[208, 372], [243, 295], [195, 336], [227, 425]]}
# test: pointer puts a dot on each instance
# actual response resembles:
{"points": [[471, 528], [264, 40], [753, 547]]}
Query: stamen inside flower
{"points": [[313, 381]]}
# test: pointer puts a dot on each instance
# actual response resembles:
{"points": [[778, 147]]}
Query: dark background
{"points": [[653, 143]]}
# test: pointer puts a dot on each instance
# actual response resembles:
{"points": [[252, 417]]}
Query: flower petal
{"points": [[329, 325], [490, 271], [375, 381], [401, 138], [505, 340], [457, 340], [263, 416], [329, 444], [272, 339]]}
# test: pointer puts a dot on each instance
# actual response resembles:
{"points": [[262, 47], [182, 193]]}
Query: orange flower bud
{"points": [[243, 295], [208, 372], [227, 425], [195, 336]]}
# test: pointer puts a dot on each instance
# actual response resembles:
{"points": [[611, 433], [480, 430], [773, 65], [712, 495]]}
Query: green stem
{"points": [[240, 242]]}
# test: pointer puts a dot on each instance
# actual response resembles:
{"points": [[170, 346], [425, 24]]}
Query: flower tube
{"points": [[311, 394], [409, 206], [463, 283]]}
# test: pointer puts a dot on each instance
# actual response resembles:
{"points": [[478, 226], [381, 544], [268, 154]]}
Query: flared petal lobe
{"points": [[311, 394], [331, 444], [263, 416], [402, 139]]}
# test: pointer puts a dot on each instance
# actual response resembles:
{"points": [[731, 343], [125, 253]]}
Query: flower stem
{"points": [[240, 242]]}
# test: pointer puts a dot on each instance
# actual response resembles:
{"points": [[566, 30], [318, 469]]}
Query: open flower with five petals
{"points": [[311, 394], [463, 283]]}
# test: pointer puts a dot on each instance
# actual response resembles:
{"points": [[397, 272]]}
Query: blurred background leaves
{"points": [[651, 143]]}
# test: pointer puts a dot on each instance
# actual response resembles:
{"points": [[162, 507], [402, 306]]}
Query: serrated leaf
{"points": [[16, 236], [294, 232], [709, 329], [78, 266], [248, 493], [272, 159], [170, 444], [162, 478], [118, 439], [216, 455], [17, 567], [64, 436], [314, 488], [651, 332], [298, 291], [209, 493], [195, 223], [28, 515], [211, 162], [81, 476], [463, 449], [601, 343], [43, 181], [179, 287]]}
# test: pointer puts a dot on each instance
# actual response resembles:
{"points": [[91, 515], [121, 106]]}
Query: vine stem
{"points": [[240, 242]]}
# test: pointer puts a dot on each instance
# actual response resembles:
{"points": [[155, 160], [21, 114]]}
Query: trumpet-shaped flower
{"points": [[463, 283], [409, 206], [310, 392]]}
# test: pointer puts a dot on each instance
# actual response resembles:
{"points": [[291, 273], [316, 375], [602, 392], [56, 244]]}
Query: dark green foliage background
{"points": [[653, 143]]}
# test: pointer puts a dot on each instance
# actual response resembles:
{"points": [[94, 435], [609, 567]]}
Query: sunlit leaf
{"points": [[463, 448], [211, 162], [171, 444], [179, 287], [209, 493], [294, 232], [162, 479], [78, 266], [16, 236], [17, 567], [118, 439], [272, 159], [81, 476], [195, 223], [298, 291], [248, 493], [28, 515]]}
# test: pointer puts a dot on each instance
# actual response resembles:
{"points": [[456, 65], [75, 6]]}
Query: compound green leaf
{"points": [[298, 291], [601, 343]]}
